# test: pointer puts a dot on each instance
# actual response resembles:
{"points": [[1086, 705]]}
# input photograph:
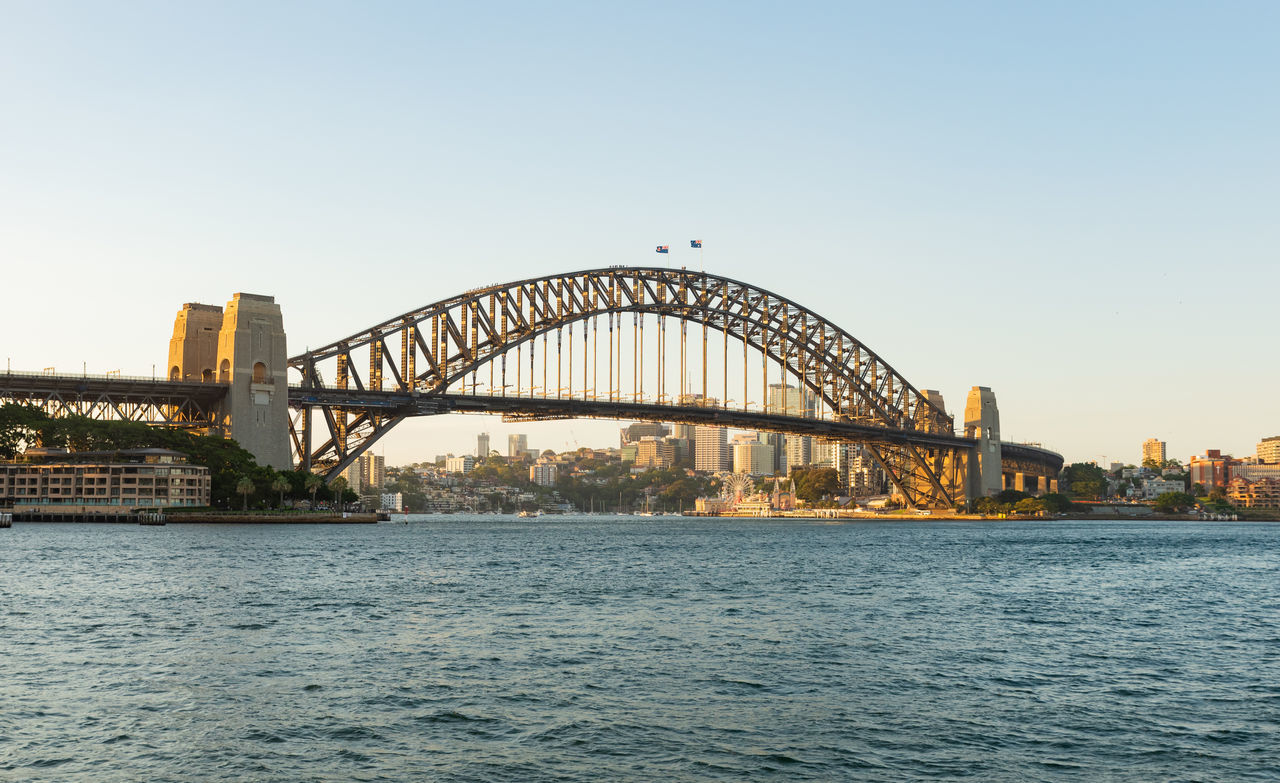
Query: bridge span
{"points": [[630, 343]]}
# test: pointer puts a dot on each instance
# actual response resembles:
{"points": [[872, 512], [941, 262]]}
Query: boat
{"points": [[528, 514]]}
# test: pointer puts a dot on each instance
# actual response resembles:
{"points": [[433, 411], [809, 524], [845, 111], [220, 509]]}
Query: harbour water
{"points": [[628, 648]]}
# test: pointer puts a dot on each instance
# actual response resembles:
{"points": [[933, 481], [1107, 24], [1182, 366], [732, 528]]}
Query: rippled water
{"points": [[588, 649]]}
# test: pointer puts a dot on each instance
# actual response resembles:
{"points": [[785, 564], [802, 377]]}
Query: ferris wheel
{"points": [[736, 486]]}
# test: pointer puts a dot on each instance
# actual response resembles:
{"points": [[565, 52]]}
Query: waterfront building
{"points": [[711, 449], [391, 501], [1258, 493], [464, 464], [482, 445], [88, 481], [517, 445], [1153, 450], [1269, 449], [544, 474]]}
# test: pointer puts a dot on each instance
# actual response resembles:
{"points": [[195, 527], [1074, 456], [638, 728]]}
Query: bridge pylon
{"points": [[243, 347]]}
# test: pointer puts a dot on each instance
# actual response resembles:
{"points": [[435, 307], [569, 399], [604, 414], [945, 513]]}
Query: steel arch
{"points": [[455, 337]]}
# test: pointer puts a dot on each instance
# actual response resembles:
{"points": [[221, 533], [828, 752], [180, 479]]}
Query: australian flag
{"points": [[695, 243], [662, 248]]}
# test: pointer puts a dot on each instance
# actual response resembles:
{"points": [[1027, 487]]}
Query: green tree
{"points": [[1029, 506], [1055, 503], [281, 485], [1171, 502], [1199, 490], [339, 488], [812, 484], [245, 488], [1010, 497], [1084, 480], [313, 484]]}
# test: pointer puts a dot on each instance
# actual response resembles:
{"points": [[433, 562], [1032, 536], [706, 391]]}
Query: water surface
{"points": [[621, 648]]}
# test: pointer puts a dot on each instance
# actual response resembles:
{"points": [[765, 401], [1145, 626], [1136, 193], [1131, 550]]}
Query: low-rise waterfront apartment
{"points": [[88, 481]]}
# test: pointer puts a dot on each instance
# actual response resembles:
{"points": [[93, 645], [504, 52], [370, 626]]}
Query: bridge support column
{"points": [[1020, 482], [253, 360], [1053, 485], [982, 422]]}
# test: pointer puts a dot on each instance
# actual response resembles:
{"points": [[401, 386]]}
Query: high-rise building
{"points": [[787, 400], [482, 445], [1269, 449], [367, 474], [544, 474], [644, 429], [799, 449], [777, 442], [751, 456], [1153, 450], [711, 449], [823, 454], [654, 452], [517, 445]]}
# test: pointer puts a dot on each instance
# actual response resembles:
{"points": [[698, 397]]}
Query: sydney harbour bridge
{"points": [[629, 343]]}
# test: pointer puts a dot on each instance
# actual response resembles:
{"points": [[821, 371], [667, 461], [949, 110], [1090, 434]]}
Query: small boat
{"points": [[528, 514]]}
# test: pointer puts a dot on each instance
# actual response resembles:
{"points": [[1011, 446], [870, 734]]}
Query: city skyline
{"points": [[1058, 215]]}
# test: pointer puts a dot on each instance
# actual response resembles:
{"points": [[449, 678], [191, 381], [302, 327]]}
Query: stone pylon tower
{"points": [[252, 359], [193, 351], [982, 421]]}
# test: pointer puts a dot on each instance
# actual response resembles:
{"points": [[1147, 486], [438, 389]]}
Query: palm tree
{"points": [[339, 486], [245, 487], [313, 484], [281, 485]]}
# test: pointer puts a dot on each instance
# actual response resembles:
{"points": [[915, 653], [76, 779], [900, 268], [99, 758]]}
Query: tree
{"points": [[1055, 503], [1171, 502], [281, 484], [1029, 506], [814, 483], [245, 488], [1085, 480], [1010, 497], [313, 483], [1199, 490], [339, 486]]}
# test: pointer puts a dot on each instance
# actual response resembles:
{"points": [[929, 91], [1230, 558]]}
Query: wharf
{"points": [[207, 517]]}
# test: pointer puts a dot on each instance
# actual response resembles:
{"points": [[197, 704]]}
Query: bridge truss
{"points": [[149, 400], [531, 349]]}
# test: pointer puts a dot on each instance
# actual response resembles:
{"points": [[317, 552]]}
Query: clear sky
{"points": [[1072, 203]]}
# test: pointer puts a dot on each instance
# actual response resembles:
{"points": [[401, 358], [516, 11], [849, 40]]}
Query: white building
{"points": [[391, 501], [464, 464], [711, 449], [1153, 488]]}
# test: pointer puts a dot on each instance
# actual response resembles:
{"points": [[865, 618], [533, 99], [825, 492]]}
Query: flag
{"points": [[662, 248], [695, 243]]}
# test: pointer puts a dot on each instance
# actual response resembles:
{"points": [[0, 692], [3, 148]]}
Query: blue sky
{"points": [[1070, 203]]}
